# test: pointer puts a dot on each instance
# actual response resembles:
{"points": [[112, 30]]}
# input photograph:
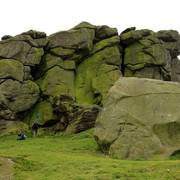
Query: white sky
{"points": [[51, 16]]}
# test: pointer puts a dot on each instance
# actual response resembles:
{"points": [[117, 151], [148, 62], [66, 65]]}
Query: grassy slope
{"points": [[76, 157]]}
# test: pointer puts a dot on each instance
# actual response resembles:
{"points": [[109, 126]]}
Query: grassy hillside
{"points": [[77, 157]]}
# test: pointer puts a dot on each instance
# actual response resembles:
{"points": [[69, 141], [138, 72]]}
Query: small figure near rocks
{"points": [[35, 127]]}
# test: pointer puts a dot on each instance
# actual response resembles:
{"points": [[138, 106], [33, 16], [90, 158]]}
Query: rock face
{"points": [[78, 58], [150, 55], [75, 117], [18, 91], [82, 63], [140, 119]]}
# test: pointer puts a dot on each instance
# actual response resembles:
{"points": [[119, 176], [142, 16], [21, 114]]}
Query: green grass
{"points": [[77, 157]]}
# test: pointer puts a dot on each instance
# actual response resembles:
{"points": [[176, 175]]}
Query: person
{"points": [[22, 137], [35, 127]]}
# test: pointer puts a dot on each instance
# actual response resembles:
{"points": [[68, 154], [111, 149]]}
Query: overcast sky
{"points": [[51, 16]]}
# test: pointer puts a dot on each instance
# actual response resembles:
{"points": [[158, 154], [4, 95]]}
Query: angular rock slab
{"points": [[16, 97], [140, 119], [10, 68]]}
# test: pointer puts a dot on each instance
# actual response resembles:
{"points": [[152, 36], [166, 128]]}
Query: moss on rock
{"points": [[89, 69], [62, 52], [57, 81], [12, 127], [101, 84], [105, 43], [12, 69], [103, 32], [73, 39], [45, 111], [17, 97]]}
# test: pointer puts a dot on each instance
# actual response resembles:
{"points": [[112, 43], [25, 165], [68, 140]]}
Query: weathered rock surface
{"points": [[11, 69], [88, 70], [74, 117], [18, 92], [175, 70], [140, 119], [47, 115], [83, 63], [148, 54], [63, 115], [57, 81], [16, 97], [73, 60], [12, 127]]}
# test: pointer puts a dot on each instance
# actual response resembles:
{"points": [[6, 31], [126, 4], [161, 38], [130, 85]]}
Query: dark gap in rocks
{"points": [[165, 74], [34, 69], [123, 54], [2, 80], [98, 99], [49, 123], [21, 115], [175, 155], [83, 53], [176, 152], [96, 95]]}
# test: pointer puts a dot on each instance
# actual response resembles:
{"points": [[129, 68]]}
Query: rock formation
{"points": [[150, 55], [82, 63], [140, 119], [36, 69]]}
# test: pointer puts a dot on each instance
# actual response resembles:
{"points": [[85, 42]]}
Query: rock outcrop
{"points": [[140, 119], [74, 117], [82, 63], [18, 91], [150, 55]]}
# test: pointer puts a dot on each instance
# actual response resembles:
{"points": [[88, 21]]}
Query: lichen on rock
{"points": [[82, 63]]}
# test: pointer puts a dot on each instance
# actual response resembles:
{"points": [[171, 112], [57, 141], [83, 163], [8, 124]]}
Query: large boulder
{"points": [[140, 119]]}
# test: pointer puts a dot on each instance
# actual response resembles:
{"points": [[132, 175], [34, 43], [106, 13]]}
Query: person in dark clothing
{"points": [[35, 128]]}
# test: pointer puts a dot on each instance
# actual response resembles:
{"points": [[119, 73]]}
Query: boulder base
{"points": [[140, 119]]}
